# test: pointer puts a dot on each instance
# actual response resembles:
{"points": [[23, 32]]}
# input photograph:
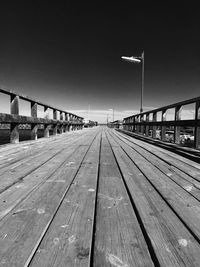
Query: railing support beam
{"points": [[177, 129], [14, 127], [197, 128], [34, 130], [46, 130], [14, 133]]}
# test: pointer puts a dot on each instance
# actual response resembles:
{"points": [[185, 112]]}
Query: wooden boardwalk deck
{"points": [[99, 198]]}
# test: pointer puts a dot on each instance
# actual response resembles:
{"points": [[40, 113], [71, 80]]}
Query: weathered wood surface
{"points": [[97, 197]]}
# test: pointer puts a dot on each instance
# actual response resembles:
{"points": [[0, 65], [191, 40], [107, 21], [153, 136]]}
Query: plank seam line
{"points": [[142, 227], [169, 205], [30, 258], [91, 260], [121, 138]]}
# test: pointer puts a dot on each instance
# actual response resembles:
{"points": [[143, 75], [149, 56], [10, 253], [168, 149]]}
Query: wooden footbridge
{"points": [[97, 197]]}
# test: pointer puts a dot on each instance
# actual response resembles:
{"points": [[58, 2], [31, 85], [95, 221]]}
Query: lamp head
{"points": [[132, 59]]}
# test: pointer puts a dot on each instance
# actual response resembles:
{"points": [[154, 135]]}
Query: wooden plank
{"points": [[14, 175], [118, 238], [18, 192], [17, 162], [23, 228], [21, 153], [172, 243], [185, 205], [68, 240], [186, 152], [186, 165], [20, 171], [28, 149], [185, 181]]}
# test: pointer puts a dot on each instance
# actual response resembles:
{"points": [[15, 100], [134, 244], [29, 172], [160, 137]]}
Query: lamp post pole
{"points": [[138, 60], [142, 82]]}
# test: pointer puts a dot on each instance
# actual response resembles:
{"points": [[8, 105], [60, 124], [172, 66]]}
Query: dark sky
{"points": [[68, 54]]}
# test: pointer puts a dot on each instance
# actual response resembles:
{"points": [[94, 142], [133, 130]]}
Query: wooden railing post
{"points": [[127, 124], [65, 119], [142, 125], [55, 114], [33, 109], [197, 127], [67, 128], [55, 129], [46, 130], [154, 128], [61, 116], [137, 125], [177, 129], [14, 133], [147, 125], [14, 127], [14, 104], [76, 123], [34, 127], [163, 127], [55, 126], [130, 124], [46, 115], [61, 128], [74, 119], [133, 124], [69, 119], [74, 126]]}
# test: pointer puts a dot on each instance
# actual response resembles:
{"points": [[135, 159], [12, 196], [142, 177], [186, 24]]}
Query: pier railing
{"points": [[62, 120], [178, 123]]}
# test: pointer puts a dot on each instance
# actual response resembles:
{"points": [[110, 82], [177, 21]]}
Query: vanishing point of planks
{"points": [[97, 197]]}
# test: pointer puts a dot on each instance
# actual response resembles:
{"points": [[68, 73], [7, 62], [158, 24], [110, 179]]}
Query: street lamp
{"points": [[138, 60]]}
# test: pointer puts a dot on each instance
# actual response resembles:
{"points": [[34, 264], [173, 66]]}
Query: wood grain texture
{"points": [[173, 244], [118, 238], [68, 240], [26, 223], [187, 180], [185, 205], [99, 198]]}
